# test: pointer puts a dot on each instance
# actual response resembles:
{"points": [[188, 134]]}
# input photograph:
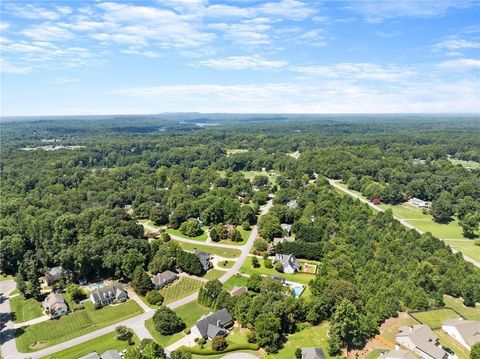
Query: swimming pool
{"points": [[96, 286], [297, 291]]}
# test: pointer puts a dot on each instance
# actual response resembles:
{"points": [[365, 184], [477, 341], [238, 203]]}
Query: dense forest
{"points": [[67, 206]]}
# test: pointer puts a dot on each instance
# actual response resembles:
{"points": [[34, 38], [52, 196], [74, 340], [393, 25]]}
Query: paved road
{"points": [[7, 337], [402, 221], [9, 349]]}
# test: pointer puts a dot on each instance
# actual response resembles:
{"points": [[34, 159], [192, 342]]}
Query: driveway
{"points": [[187, 341], [239, 356], [7, 331]]}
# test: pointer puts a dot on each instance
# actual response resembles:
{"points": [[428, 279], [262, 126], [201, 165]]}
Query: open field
{"points": [[406, 211], [235, 281], [200, 238], [222, 252], [179, 289], [214, 274], [457, 304], [234, 151], [315, 336], [465, 246], [25, 309], [435, 318], [190, 313], [98, 345], [75, 324], [302, 278], [466, 164]]}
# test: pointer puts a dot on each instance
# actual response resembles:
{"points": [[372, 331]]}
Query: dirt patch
{"points": [[38, 345]]}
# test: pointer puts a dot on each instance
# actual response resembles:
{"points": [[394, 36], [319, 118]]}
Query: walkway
{"points": [[401, 220], [43, 318]]}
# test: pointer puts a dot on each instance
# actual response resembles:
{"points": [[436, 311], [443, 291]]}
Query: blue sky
{"points": [[101, 57]]}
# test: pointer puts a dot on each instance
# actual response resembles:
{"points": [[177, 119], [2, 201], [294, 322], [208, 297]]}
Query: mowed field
{"points": [[315, 336], [180, 288], [222, 252], [39, 336], [25, 309], [435, 318]]}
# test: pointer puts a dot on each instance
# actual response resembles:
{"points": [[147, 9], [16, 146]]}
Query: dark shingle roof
{"points": [[164, 277], [219, 318], [111, 354], [312, 353]]}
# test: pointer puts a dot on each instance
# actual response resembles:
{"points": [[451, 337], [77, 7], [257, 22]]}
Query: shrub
{"points": [[298, 353], [246, 226], [154, 297], [251, 337], [267, 263], [261, 245], [279, 267], [219, 343], [97, 305], [201, 341], [187, 331], [255, 262]]}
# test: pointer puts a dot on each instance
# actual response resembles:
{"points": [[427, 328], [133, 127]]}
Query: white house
{"points": [[466, 332], [421, 340], [54, 305], [289, 263]]}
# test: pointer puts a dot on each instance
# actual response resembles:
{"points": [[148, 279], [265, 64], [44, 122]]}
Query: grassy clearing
{"points": [[457, 304], [200, 238], [73, 325], [190, 313], [25, 309], [466, 247], [222, 252], [375, 354], [406, 211], [214, 274], [435, 318], [180, 288], [99, 345], [234, 151], [466, 164], [447, 341], [235, 281], [247, 268], [315, 336]]}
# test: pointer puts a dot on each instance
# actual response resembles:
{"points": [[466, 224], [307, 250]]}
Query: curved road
{"points": [[7, 340]]}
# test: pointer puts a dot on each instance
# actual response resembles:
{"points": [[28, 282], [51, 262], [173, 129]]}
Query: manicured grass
{"points": [[226, 264], [245, 234], [451, 230], [222, 252], [235, 281], [98, 345], [236, 340], [406, 211], [315, 336], [214, 274], [190, 313], [73, 325], [465, 246], [220, 356], [180, 288], [469, 313], [247, 268], [435, 318], [447, 341], [200, 238], [375, 354], [5, 277], [25, 309]]}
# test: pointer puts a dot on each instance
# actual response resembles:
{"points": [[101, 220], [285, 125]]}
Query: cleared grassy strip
{"points": [[200, 238], [190, 313], [315, 336], [220, 356], [25, 309], [247, 268], [180, 288], [5, 277], [405, 211], [457, 304], [73, 325], [214, 274], [435, 318], [235, 281], [466, 247], [466, 164], [222, 252], [98, 345]]}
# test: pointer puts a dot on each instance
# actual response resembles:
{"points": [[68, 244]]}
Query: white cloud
{"points": [[8, 68], [241, 63], [47, 32], [146, 53], [64, 80], [121, 38], [288, 9], [356, 71], [460, 64], [33, 12], [244, 33], [222, 11], [456, 43], [4, 26]]}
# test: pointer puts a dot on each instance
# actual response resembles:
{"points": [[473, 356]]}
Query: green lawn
{"points": [[214, 274], [235, 281], [190, 313], [457, 304], [236, 340], [465, 246], [406, 211], [302, 278], [375, 354], [200, 238], [315, 336], [25, 309], [245, 234], [75, 324], [180, 288], [220, 356], [435, 318], [99, 345], [226, 264], [5, 277], [222, 252]]}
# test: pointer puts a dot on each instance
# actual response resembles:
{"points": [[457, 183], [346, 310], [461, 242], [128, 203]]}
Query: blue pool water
{"points": [[297, 291]]}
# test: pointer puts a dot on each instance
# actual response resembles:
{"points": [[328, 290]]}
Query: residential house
{"points": [[160, 280], [53, 275], [111, 354], [398, 354], [466, 332], [204, 259], [421, 340], [93, 355], [108, 295], [278, 240], [127, 207], [289, 262], [235, 292], [418, 161], [419, 203], [54, 305], [292, 203], [312, 353], [213, 325], [286, 228]]}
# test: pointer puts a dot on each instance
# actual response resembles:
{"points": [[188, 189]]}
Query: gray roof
{"points": [[468, 329], [111, 354], [164, 278], [54, 298], [288, 260], [204, 258], [213, 331], [54, 273], [238, 291], [277, 277], [398, 354], [218, 319], [105, 293], [91, 356], [424, 339], [312, 353]]}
